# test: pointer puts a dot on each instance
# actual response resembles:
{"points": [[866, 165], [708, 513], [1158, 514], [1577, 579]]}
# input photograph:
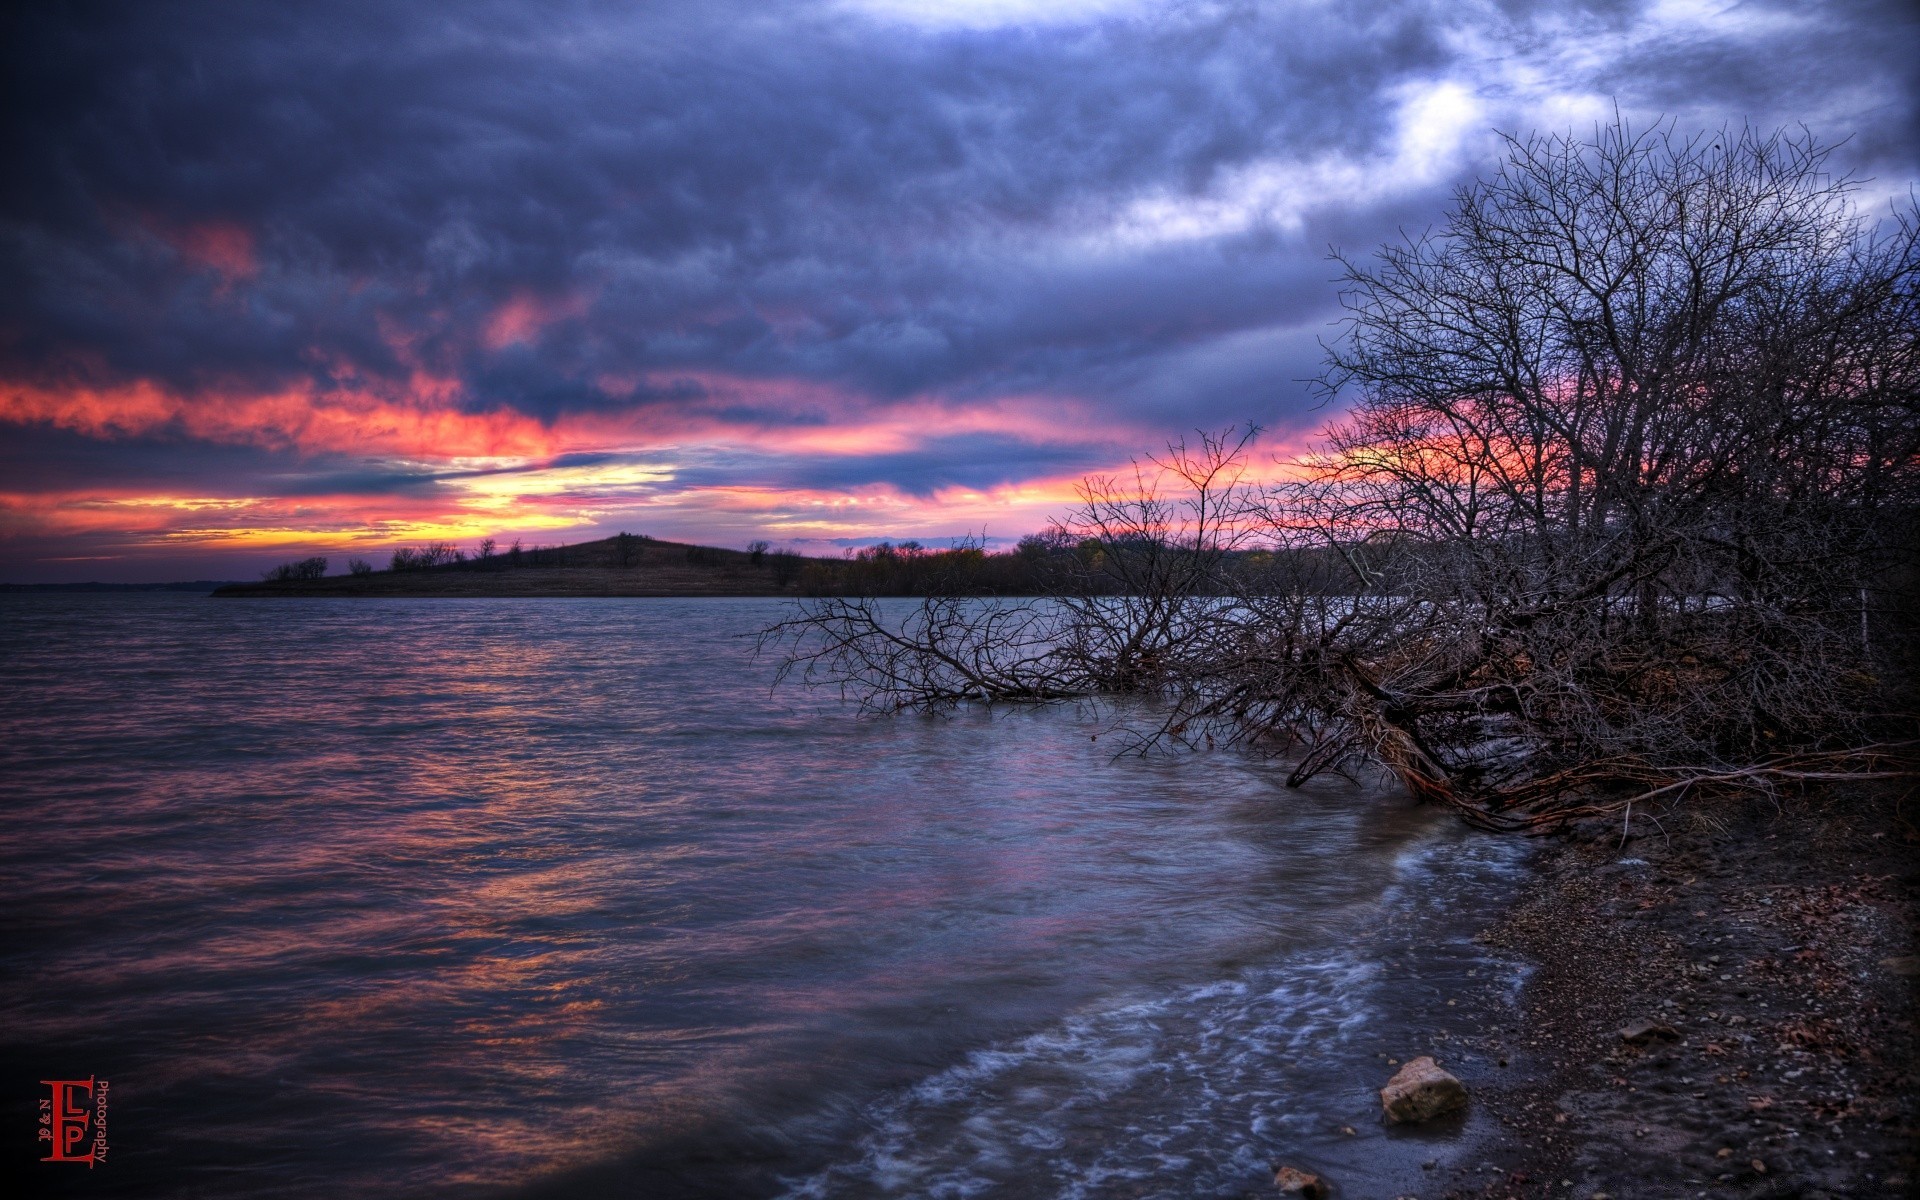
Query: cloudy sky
{"points": [[331, 277]]}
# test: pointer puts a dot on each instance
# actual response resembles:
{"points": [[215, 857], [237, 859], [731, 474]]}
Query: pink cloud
{"points": [[222, 246], [525, 314]]}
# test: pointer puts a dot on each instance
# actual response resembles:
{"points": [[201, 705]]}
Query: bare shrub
{"points": [[420, 558], [306, 568], [786, 567]]}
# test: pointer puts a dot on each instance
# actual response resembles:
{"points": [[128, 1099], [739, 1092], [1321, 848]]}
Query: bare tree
{"points": [[1625, 437], [1117, 614], [1619, 508], [786, 567]]}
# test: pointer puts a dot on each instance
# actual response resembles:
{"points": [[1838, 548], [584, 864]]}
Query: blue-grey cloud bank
{"points": [[337, 276]]}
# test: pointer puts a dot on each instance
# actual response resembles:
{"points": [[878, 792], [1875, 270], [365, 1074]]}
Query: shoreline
{"points": [[521, 583], [1726, 1010]]}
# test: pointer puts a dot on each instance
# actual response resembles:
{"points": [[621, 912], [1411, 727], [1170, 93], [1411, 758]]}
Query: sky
{"points": [[336, 277]]}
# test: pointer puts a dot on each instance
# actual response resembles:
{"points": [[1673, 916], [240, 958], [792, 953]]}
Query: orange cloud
{"points": [[301, 418], [502, 475], [130, 520], [420, 418]]}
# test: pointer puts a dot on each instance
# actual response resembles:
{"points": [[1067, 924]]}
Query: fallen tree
{"points": [[1621, 510]]}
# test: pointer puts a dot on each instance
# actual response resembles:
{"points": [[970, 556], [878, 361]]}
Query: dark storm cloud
{"points": [[879, 190], [591, 208], [1799, 64]]}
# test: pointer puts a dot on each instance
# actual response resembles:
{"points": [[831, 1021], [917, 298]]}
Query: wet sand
{"points": [[1772, 952]]}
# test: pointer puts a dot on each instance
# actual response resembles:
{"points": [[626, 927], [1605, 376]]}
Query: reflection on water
{"points": [[396, 897]]}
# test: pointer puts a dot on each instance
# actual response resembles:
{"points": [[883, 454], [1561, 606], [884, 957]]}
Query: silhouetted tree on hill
{"points": [[306, 568]]}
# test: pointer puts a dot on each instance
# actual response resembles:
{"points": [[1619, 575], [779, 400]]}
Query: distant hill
{"points": [[625, 565]]}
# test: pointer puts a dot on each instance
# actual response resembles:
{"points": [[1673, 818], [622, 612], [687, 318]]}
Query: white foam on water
{"points": [[1185, 1094]]}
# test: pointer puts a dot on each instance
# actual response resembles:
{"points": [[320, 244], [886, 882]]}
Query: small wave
{"points": [[1022, 1117], [1199, 1086]]}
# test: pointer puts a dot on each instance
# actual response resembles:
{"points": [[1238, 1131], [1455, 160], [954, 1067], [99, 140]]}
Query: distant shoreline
{"points": [[523, 583], [190, 586], [629, 565]]}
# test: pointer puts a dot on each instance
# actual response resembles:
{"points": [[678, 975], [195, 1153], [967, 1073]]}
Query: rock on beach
{"points": [[1645, 1032], [1420, 1091]]}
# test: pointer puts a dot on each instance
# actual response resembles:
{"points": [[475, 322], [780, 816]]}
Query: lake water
{"points": [[561, 898]]}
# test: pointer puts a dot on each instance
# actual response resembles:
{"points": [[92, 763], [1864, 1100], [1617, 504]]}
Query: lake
{"points": [[512, 897]]}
